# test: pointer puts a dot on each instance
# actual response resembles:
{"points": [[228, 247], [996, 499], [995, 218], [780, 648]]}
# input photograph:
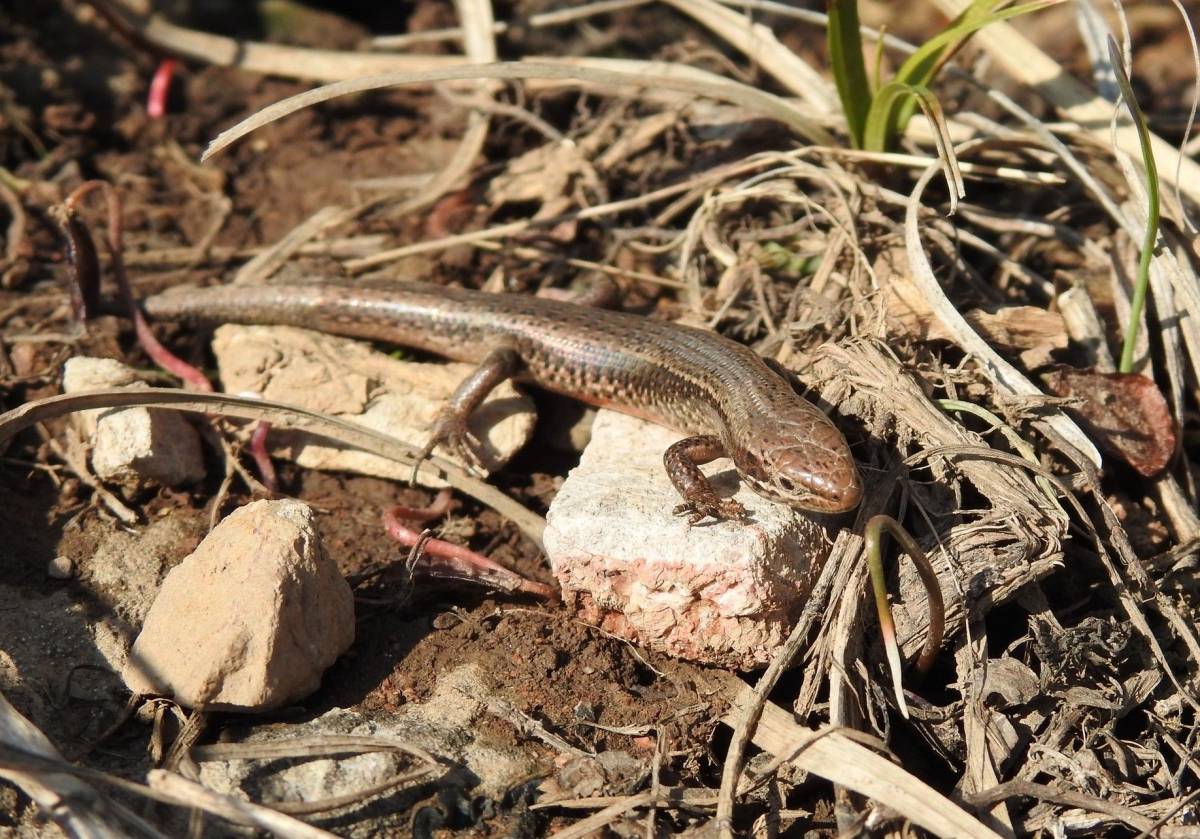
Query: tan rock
{"points": [[250, 620], [722, 593], [133, 445], [349, 379]]}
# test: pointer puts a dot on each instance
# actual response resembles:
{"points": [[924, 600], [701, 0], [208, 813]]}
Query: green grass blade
{"points": [[883, 110], [1152, 210], [923, 65], [876, 136], [849, 68]]}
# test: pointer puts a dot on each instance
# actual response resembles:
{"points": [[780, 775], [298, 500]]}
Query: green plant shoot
{"points": [[1153, 208]]}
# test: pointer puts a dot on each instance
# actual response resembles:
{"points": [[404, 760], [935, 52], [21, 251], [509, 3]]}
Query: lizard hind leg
{"points": [[450, 428]]}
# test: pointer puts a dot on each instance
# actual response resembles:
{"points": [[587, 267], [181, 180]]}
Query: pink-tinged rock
{"points": [[133, 445], [722, 593], [250, 620]]}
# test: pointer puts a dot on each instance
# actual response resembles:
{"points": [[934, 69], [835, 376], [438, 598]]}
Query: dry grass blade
{"points": [[1013, 538], [1041, 792], [353, 798], [260, 268], [1191, 118], [758, 43], [1093, 30], [724, 90], [1029, 65], [308, 747], [166, 788], [1179, 272], [340, 430], [558, 17], [333, 66], [320, 748], [981, 170], [191, 794], [836, 758], [71, 803], [598, 821], [1008, 380], [746, 721], [1152, 204], [476, 17], [475, 237]]}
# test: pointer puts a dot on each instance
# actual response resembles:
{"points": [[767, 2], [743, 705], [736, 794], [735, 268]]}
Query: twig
{"points": [[746, 722], [1041, 792], [530, 727], [79, 468], [537, 21]]}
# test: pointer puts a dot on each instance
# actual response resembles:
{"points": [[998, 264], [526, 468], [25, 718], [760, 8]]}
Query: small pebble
{"points": [[24, 358], [60, 568], [445, 621]]}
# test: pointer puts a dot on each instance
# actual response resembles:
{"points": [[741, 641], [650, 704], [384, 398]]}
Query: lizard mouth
{"points": [[816, 490]]}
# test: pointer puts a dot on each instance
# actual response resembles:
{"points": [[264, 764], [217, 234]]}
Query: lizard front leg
{"points": [[682, 461]]}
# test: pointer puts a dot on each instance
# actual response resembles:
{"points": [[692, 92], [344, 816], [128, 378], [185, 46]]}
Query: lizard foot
{"points": [[451, 432], [722, 509]]}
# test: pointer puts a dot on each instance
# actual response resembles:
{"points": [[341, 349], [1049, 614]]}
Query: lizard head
{"points": [[802, 461]]}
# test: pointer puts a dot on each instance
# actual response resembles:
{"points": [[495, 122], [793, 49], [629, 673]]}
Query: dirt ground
{"points": [[72, 107]]}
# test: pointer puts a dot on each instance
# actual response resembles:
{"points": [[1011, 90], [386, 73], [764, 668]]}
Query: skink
{"points": [[697, 382]]}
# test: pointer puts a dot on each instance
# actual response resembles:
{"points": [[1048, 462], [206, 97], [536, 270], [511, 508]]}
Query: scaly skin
{"points": [[784, 447]]}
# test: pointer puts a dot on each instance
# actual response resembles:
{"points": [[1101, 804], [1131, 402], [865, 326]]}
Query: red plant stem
{"points": [[450, 561], [159, 354], [160, 86], [262, 460]]}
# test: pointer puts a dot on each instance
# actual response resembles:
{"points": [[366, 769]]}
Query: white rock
{"points": [[85, 373], [349, 379], [132, 445], [60, 568], [722, 593], [250, 620]]}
